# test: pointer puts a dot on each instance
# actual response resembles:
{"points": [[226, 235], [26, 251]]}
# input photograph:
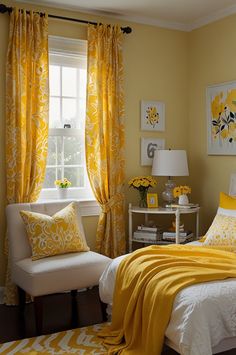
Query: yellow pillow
{"points": [[222, 231], [54, 235], [227, 202]]}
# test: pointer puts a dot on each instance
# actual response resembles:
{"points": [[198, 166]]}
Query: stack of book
{"points": [[147, 234], [184, 236]]}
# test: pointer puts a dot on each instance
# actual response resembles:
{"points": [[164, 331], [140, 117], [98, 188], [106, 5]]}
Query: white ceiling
{"points": [[179, 14]]}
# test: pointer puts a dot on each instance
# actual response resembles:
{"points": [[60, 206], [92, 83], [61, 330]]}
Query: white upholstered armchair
{"points": [[54, 274]]}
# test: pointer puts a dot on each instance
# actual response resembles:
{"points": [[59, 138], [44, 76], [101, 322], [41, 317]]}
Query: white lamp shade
{"points": [[170, 163]]}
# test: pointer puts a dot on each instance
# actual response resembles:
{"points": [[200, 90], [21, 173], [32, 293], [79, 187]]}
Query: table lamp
{"points": [[169, 163]]}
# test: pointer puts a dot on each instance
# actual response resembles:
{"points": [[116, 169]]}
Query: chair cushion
{"points": [[53, 235], [59, 273]]}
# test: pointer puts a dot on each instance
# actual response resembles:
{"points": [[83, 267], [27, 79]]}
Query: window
{"points": [[66, 144]]}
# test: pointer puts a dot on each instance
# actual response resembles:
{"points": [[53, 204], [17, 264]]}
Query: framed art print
{"points": [[221, 119], [152, 116], [152, 200], [148, 147]]}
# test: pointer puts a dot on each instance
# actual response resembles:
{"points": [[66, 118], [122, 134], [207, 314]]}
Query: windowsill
{"points": [[88, 207]]}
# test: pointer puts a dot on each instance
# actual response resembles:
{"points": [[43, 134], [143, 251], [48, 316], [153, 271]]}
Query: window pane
{"points": [[69, 81], [49, 178], [52, 143], [54, 113], [82, 82], [73, 151], [55, 147], [81, 118], [52, 174], [75, 175], [54, 80], [69, 111]]}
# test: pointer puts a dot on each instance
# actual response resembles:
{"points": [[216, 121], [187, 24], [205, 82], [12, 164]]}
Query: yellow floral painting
{"points": [[221, 119], [152, 116]]}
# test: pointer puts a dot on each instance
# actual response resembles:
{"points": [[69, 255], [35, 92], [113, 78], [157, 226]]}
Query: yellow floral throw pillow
{"points": [[59, 234], [222, 231]]}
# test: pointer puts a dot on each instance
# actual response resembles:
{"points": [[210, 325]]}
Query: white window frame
{"points": [[71, 47]]}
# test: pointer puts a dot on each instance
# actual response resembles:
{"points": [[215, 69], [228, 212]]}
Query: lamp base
{"points": [[167, 194]]}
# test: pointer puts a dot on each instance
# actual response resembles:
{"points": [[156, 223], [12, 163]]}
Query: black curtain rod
{"points": [[4, 9]]}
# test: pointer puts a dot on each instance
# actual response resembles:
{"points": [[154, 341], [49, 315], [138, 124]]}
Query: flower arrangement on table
{"points": [[181, 192], [142, 184], [63, 183]]}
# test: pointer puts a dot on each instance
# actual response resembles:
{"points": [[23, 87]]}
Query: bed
{"points": [[203, 319]]}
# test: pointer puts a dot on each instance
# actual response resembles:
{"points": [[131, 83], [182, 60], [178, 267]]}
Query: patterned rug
{"points": [[76, 341]]}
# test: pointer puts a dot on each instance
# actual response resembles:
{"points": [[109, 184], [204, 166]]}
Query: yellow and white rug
{"points": [[76, 341]]}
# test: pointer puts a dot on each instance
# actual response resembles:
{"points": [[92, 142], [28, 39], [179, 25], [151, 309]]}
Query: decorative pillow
{"points": [[54, 235], [227, 205], [222, 231]]}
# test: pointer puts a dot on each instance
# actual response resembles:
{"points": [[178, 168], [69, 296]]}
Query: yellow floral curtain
{"points": [[104, 134], [27, 104]]}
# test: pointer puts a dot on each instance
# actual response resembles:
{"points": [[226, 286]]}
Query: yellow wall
{"points": [[156, 68], [212, 51]]}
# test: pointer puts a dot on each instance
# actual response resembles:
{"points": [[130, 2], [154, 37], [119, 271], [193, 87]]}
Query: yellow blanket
{"points": [[147, 282]]}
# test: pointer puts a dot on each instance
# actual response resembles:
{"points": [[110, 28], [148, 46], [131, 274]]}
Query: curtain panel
{"points": [[104, 134], [27, 106]]}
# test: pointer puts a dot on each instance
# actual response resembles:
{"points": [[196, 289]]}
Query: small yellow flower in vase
{"points": [[181, 192], [62, 187]]}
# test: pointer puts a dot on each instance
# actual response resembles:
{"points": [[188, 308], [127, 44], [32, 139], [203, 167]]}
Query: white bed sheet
{"points": [[203, 315]]}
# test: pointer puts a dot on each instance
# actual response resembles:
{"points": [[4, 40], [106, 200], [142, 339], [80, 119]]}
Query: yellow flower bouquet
{"points": [[63, 183], [142, 184], [181, 190]]}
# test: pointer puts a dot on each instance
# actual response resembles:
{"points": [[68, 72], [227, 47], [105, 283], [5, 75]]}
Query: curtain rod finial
{"points": [[4, 8], [126, 29]]}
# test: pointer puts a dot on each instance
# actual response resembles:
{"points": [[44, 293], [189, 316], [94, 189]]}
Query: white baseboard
{"points": [[1, 294]]}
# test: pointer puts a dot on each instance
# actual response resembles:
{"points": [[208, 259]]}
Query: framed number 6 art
{"points": [[221, 119], [148, 147]]}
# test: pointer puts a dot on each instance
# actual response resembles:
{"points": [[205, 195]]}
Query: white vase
{"points": [[62, 193], [183, 200]]}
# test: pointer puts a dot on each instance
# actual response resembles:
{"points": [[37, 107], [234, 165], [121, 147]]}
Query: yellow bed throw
{"points": [[147, 282]]}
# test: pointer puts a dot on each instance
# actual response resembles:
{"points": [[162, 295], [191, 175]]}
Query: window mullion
{"points": [[77, 101], [57, 177], [61, 95], [63, 157]]}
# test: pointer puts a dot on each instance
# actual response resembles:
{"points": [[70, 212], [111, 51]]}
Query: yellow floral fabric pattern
{"points": [[222, 231], [53, 235], [104, 134], [27, 105]]}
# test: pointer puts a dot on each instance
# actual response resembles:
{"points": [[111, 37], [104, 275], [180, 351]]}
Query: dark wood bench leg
{"points": [[104, 310], [21, 297], [74, 312], [38, 310]]}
